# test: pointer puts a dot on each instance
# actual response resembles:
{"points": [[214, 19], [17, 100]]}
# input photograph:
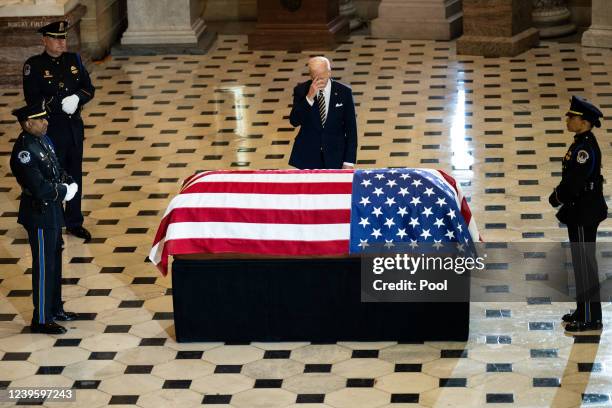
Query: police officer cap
{"points": [[588, 111], [57, 29], [36, 111]]}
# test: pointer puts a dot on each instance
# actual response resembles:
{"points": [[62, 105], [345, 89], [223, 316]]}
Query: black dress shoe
{"points": [[64, 316], [568, 318], [80, 232], [47, 328], [584, 326]]}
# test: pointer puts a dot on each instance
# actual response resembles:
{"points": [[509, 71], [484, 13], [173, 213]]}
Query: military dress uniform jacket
{"points": [[52, 79], [581, 188], [35, 166]]}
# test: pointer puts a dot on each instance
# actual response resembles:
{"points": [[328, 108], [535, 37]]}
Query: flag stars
{"points": [[376, 233], [428, 191], [437, 244], [365, 201], [378, 191], [441, 201], [405, 176], [390, 201], [415, 201], [379, 176], [417, 183], [427, 212], [451, 214], [449, 234], [403, 191], [364, 222], [377, 212], [414, 222], [401, 232], [425, 234], [413, 243], [389, 243], [402, 211], [363, 243], [366, 183], [389, 223], [439, 222], [391, 183]]}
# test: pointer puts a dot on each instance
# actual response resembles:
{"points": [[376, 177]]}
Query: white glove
{"points": [[70, 104], [71, 190]]}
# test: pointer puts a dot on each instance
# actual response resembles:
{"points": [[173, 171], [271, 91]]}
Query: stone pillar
{"points": [[600, 32], [552, 18], [19, 39], [418, 19], [164, 22], [102, 25], [497, 28], [348, 10]]}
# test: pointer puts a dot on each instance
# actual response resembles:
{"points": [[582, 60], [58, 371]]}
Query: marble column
{"points": [[19, 39], [418, 19], [497, 28], [552, 18], [600, 32], [164, 22], [348, 10]]}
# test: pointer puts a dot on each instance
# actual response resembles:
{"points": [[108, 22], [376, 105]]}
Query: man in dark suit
{"points": [[60, 79], [325, 111]]}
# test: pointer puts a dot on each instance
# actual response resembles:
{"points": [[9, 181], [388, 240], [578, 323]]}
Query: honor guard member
{"points": [[43, 188], [583, 207], [60, 79]]}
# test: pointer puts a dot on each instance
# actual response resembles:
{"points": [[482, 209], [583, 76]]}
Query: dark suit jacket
{"points": [[318, 147]]}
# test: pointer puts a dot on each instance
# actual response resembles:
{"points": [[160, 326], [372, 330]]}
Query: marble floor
{"points": [[496, 124]]}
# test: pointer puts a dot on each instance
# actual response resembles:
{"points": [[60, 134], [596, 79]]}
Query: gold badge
{"points": [[74, 70], [61, 84], [47, 74]]}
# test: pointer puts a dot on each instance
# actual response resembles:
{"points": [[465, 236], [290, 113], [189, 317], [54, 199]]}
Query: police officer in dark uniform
{"points": [[60, 79], [583, 207], [44, 186]]}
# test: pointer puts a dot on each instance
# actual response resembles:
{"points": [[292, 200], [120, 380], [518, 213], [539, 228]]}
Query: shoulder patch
{"points": [[26, 69], [24, 156], [582, 156]]}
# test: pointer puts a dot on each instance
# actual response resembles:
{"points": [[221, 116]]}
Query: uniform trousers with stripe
{"points": [[46, 246], [584, 262]]}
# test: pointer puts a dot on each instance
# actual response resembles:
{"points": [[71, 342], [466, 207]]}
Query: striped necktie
{"points": [[321, 103]]}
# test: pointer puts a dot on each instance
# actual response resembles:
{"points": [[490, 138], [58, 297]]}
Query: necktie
{"points": [[321, 103]]}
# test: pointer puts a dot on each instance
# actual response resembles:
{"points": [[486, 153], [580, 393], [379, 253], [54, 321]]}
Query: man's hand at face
{"points": [[317, 84]]}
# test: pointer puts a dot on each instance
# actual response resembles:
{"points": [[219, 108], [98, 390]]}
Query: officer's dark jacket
{"points": [[35, 166], [581, 187], [52, 79]]}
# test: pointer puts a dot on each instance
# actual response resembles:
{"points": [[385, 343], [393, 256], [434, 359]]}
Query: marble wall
{"points": [[19, 39], [102, 25], [581, 12]]}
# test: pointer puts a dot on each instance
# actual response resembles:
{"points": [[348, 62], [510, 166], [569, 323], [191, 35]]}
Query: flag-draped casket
{"points": [[295, 213]]}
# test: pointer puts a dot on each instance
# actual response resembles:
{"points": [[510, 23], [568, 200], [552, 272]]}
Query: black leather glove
{"points": [[552, 199]]}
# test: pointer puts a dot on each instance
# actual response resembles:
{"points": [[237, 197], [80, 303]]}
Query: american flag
{"points": [[294, 212]]}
